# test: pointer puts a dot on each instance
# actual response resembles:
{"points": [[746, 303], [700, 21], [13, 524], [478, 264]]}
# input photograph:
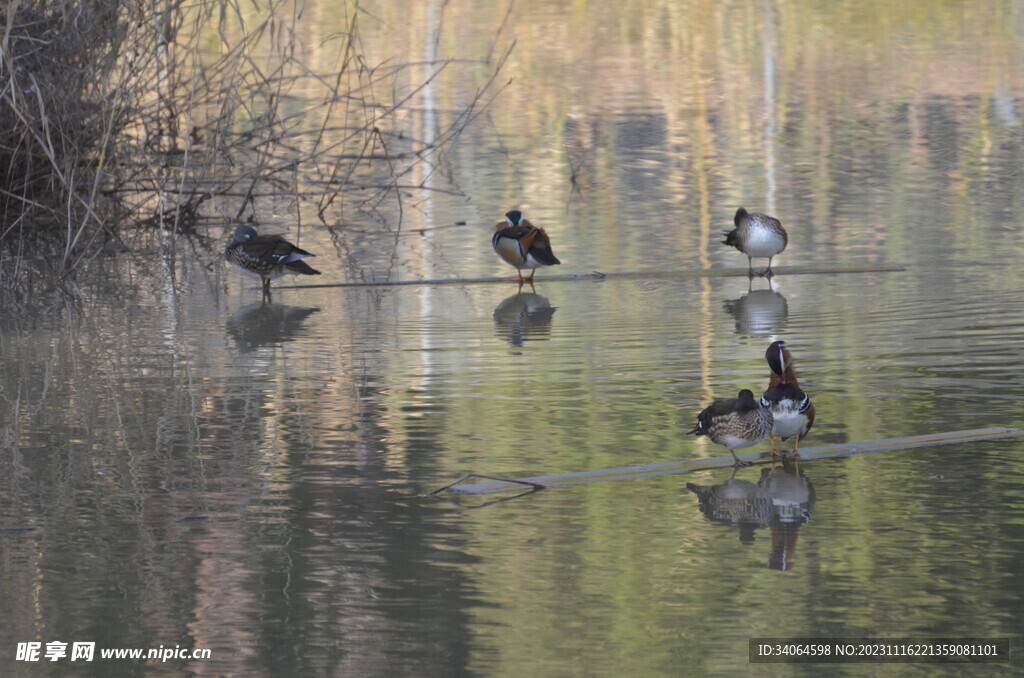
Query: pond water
{"points": [[183, 465]]}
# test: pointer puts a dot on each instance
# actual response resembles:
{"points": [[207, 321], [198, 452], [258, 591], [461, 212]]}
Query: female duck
{"points": [[757, 235], [265, 257], [735, 423]]}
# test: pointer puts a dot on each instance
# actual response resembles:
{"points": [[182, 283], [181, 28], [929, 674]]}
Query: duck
{"points": [[791, 408], [523, 245], [266, 257], [757, 235], [735, 423]]}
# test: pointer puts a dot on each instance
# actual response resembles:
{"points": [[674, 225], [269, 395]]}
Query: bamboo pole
{"points": [[620, 275], [690, 465]]}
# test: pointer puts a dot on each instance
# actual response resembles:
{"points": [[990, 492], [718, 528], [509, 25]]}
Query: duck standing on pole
{"points": [[265, 257], [757, 235]]}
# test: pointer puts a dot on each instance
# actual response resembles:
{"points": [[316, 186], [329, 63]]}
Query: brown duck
{"points": [[265, 257], [735, 423]]}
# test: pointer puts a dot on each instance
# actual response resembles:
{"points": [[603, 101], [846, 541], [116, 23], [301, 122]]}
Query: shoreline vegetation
{"points": [[119, 119]]}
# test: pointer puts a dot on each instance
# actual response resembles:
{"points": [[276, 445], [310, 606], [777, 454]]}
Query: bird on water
{"points": [[266, 257], [523, 245], [757, 235], [791, 408], [735, 423]]}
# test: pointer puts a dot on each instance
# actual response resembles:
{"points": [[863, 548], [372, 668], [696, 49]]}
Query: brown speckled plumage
{"points": [[265, 257], [735, 423]]}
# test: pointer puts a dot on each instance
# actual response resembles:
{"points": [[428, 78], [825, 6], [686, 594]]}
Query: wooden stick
{"points": [[690, 465], [597, 275], [515, 481]]}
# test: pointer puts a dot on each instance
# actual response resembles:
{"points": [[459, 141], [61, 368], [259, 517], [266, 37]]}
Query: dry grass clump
{"points": [[55, 124]]}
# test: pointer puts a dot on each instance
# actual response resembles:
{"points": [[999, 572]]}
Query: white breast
{"points": [[246, 272], [763, 242], [734, 443], [788, 422]]}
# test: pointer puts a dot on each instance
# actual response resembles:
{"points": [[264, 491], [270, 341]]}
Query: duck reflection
{"points": [[736, 503], [781, 500], [793, 498], [522, 317], [263, 324], [759, 311]]}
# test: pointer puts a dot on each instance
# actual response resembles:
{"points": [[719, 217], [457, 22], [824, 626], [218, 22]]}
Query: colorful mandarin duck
{"points": [[791, 408], [757, 235], [735, 423], [265, 257], [523, 245]]}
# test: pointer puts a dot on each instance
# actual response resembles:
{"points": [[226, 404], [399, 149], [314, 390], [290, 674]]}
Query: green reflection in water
{"points": [[201, 471]]}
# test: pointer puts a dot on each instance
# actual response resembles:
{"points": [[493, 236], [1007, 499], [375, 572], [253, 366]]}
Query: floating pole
{"points": [[597, 275], [691, 465]]}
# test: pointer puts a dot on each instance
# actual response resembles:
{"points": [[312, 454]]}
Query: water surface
{"points": [[184, 465]]}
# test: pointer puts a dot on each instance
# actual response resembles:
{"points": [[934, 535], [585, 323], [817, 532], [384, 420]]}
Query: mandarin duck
{"points": [[735, 423], [791, 408], [523, 245], [265, 257]]}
